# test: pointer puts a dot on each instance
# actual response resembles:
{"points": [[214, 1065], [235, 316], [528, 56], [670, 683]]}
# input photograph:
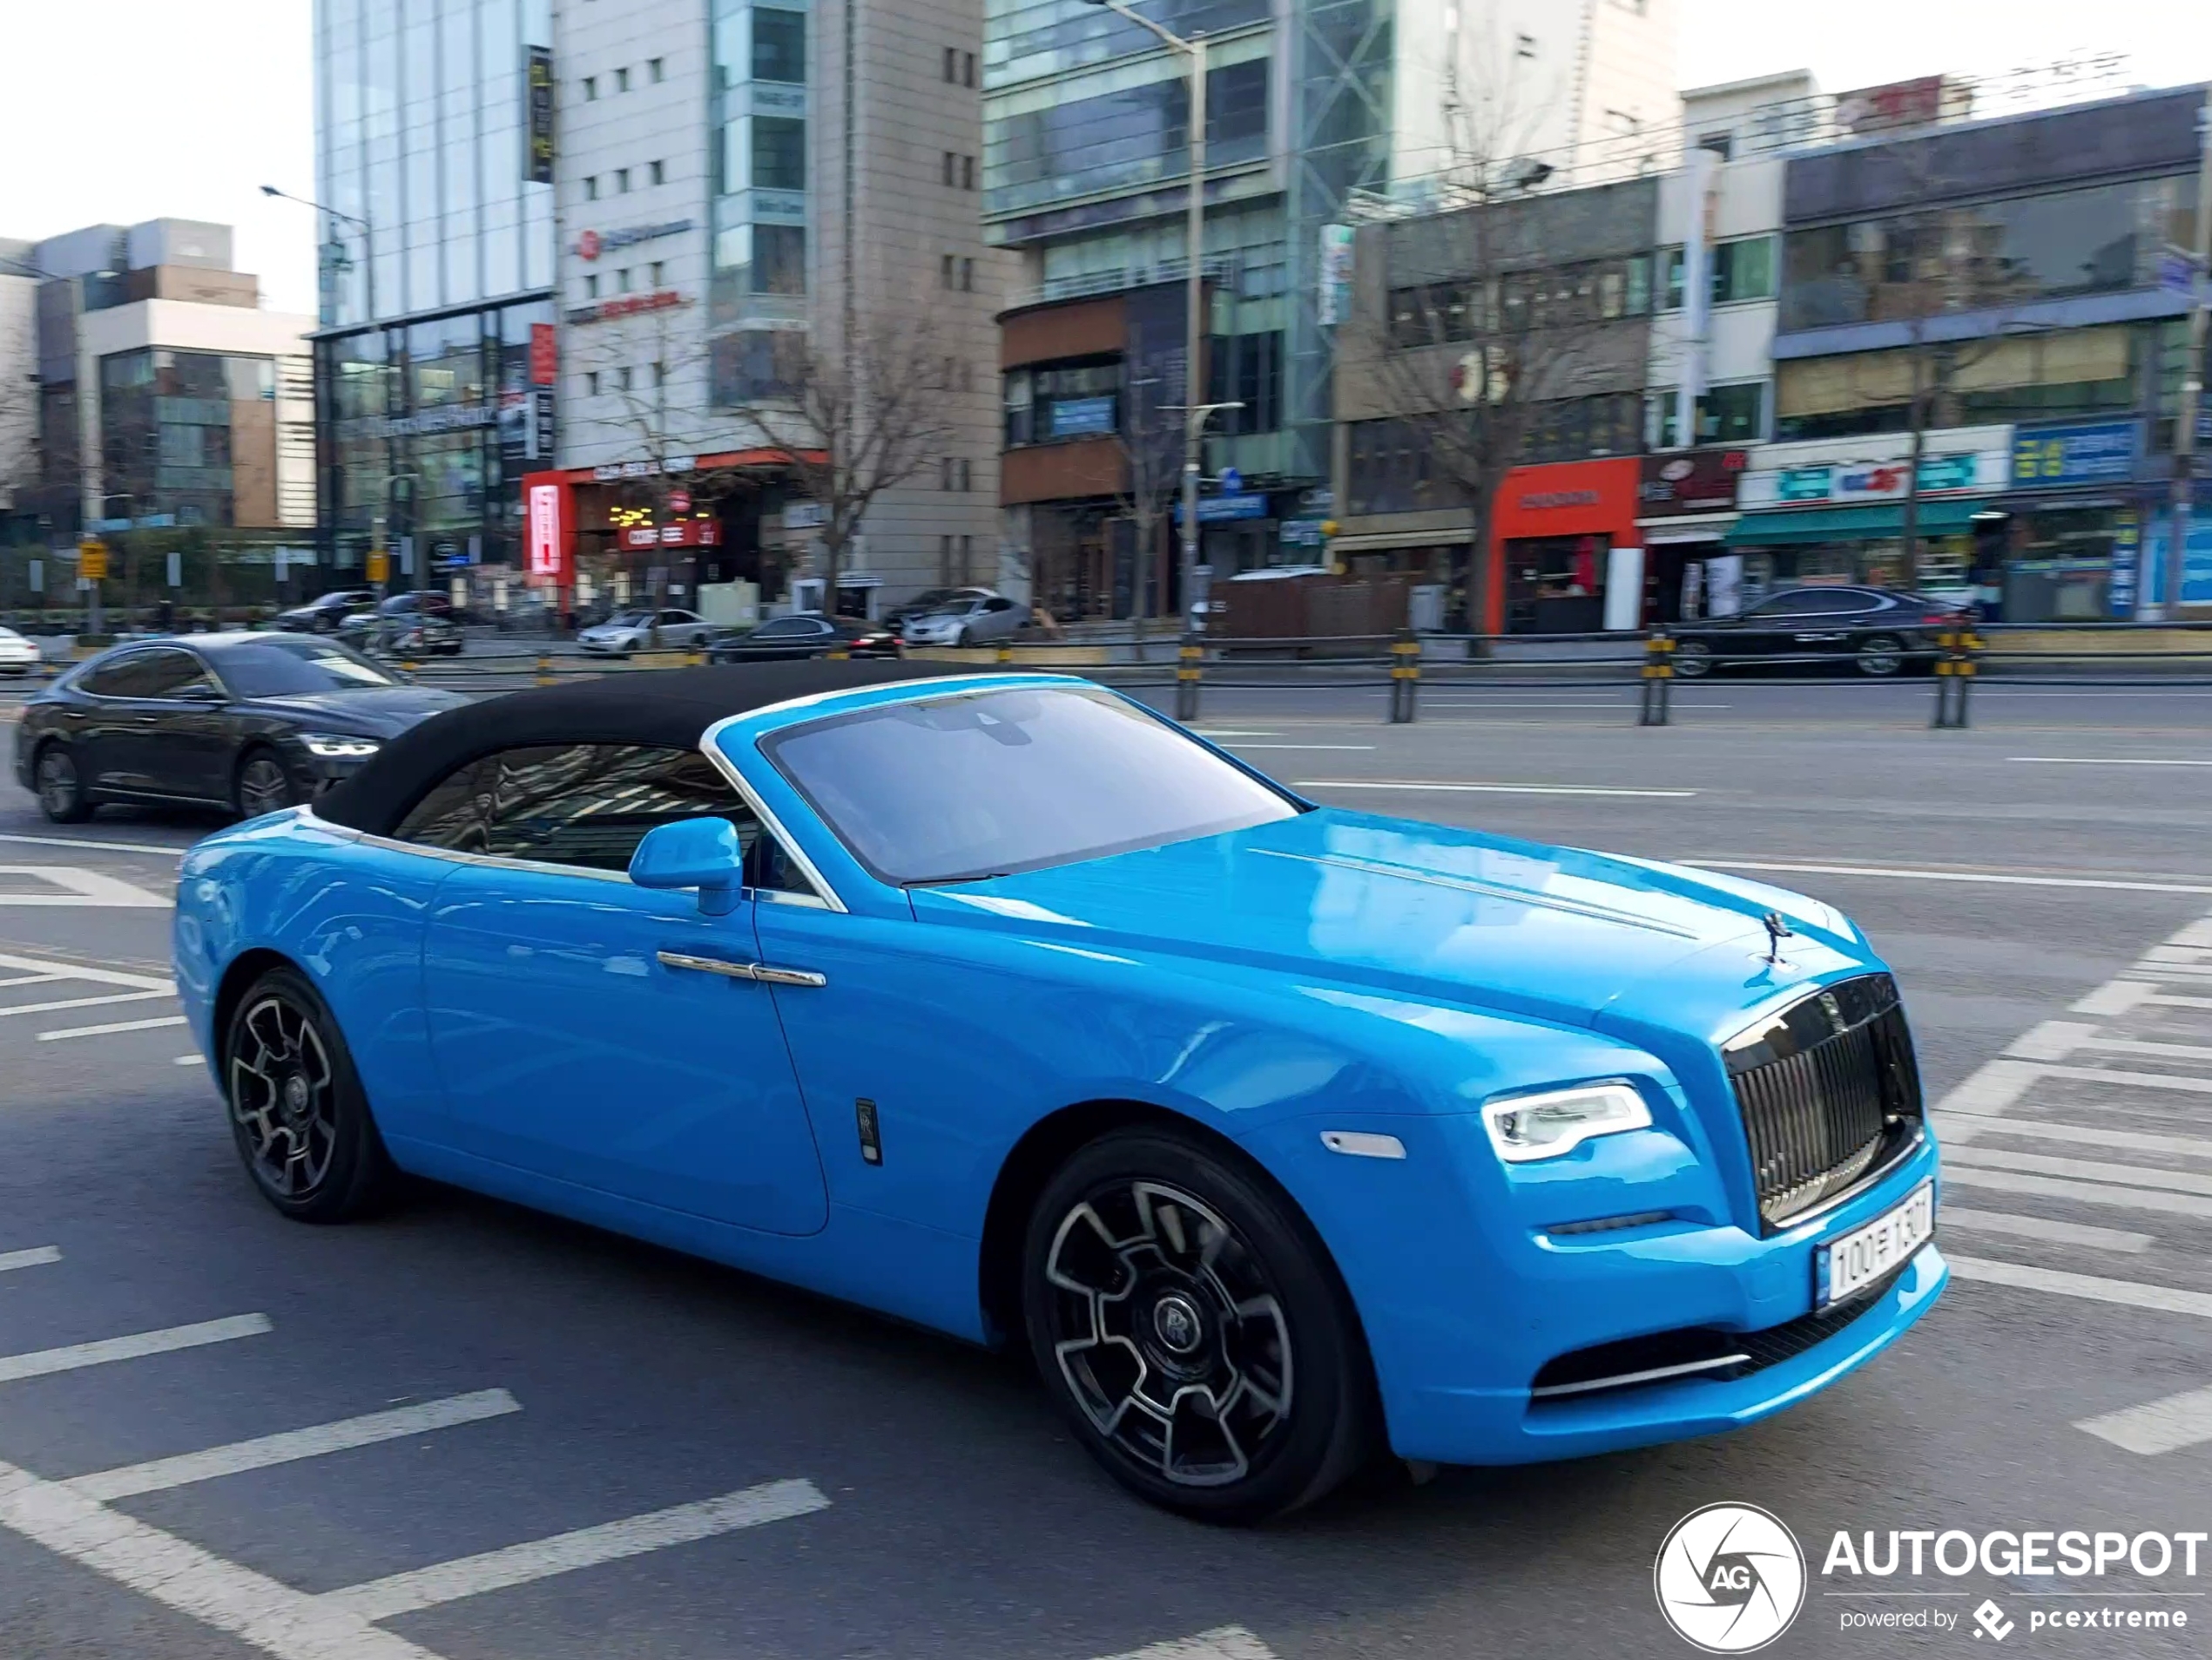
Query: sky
{"points": [[127, 110]]}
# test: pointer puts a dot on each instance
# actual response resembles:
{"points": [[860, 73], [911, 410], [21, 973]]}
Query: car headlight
{"points": [[1524, 1128], [337, 746]]}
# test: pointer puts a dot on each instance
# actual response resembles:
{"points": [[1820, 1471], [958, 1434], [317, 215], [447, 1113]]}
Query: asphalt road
{"points": [[906, 1496]]}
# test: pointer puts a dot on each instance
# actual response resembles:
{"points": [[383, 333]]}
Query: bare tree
{"points": [[1150, 441]]}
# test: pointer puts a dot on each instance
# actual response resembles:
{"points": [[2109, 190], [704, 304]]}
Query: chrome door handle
{"points": [[760, 973]]}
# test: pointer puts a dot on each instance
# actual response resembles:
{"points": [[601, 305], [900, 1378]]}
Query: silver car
{"points": [[17, 655], [971, 620], [632, 630]]}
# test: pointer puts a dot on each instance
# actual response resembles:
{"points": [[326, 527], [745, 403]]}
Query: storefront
{"points": [[1686, 506], [1834, 511], [1562, 537], [2063, 546]]}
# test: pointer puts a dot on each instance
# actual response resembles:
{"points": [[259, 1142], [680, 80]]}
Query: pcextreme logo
{"points": [[1730, 1578]]}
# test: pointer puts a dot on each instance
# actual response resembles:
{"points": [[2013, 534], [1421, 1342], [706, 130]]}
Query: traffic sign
{"points": [[92, 560], [1232, 481], [380, 565]]}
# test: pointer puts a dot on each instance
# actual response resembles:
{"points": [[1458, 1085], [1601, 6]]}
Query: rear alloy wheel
{"points": [[61, 788], [1881, 656], [264, 785], [1188, 1323], [1693, 660], [297, 1110]]}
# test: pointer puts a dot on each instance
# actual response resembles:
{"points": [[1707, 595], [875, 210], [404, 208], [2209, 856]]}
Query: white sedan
{"points": [[968, 621], [632, 630], [17, 655]]}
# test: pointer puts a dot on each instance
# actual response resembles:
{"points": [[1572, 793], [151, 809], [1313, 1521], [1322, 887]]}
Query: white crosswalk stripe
{"points": [[62, 988], [2081, 1122]]}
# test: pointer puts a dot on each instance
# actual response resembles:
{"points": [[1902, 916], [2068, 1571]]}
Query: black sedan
{"points": [[809, 636], [250, 722], [326, 614], [1878, 630]]}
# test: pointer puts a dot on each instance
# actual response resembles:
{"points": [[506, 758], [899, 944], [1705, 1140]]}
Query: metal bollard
{"points": [[1954, 676], [1405, 676], [1658, 679], [838, 655], [544, 669], [695, 658], [1006, 651], [1186, 678]]}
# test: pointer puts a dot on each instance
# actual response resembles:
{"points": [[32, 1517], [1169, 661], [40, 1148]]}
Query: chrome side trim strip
{"points": [[1621, 1381], [761, 973], [769, 976], [722, 764]]}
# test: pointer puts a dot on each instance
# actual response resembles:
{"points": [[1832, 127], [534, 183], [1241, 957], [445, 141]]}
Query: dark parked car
{"points": [[326, 614], [252, 722], [405, 625], [783, 637], [1879, 629]]}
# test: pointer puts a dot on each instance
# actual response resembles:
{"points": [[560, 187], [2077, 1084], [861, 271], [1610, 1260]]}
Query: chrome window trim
{"points": [[825, 893]]}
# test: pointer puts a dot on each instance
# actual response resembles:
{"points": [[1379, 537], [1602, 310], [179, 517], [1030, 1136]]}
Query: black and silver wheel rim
{"points": [[1880, 656], [262, 786], [284, 1096], [1168, 1333], [57, 782], [1692, 661]]}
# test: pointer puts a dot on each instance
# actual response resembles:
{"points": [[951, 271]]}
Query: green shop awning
{"points": [[1946, 518]]}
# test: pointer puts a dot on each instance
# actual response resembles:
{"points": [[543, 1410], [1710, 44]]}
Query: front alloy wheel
{"points": [[61, 789], [1188, 1323], [297, 1111], [1693, 660], [264, 785], [1882, 656]]}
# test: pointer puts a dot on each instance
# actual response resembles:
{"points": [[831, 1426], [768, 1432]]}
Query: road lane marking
{"points": [[30, 1258], [180, 1574], [2127, 1198], [2113, 1075], [87, 841], [31, 979], [188, 1060], [2197, 932], [2083, 1170], [447, 1582], [1490, 789], [2050, 1040], [2115, 998], [82, 1003], [1990, 1088], [1987, 877], [2036, 1227], [1223, 1642], [48, 968], [158, 1474], [2165, 1299], [2156, 1427], [115, 1026], [1961, 1126], [81, 888], [2105, 761], [41, 1362]]}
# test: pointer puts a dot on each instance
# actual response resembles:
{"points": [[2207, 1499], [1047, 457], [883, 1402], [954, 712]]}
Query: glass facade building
{"points": [[759, 158], [190, 435], [438, 259]]}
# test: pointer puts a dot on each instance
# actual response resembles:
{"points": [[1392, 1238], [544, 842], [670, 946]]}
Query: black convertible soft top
{"points": [[670, 708]]}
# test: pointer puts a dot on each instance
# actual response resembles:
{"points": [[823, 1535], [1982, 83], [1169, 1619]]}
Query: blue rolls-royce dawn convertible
{"points": [[1279, 1136]]}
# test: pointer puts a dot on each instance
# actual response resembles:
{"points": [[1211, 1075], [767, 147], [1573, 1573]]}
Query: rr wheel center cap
{"points": [[295, 1097], [1177, 1324]]}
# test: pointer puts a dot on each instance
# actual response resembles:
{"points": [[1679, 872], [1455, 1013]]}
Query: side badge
{"points": [[871, 1137]]}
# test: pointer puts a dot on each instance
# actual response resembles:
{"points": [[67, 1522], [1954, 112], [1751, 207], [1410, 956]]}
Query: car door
{"points": [[588, 1031], [97, 722], [178, 740], [1826, 616], [995, 618]]}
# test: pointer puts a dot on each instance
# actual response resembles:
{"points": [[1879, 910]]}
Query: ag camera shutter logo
{"points": [[1730, 1578]]}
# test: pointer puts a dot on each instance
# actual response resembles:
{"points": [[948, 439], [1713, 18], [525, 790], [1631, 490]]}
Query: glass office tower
{"points": [[434, 162]]}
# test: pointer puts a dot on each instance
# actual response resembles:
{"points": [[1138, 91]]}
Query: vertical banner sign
{"points": [[546, 551], [1333, 304], [2127, 552], [544, 355], [537, 81]]}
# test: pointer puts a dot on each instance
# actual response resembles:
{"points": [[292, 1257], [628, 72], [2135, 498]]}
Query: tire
{"points": [[963, 640], [1693, 660], [264, 784], [62, 795], [1881, 656], [1256, 1323], [298, 1114]]}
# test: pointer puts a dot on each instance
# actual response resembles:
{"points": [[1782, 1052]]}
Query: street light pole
{"points": [[1195, 407], [369, 238]]}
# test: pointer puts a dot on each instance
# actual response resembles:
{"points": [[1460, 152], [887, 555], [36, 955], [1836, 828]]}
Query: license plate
{"points": [[1856, 1259]]}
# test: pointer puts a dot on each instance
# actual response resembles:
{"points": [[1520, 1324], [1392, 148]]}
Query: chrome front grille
{"points": [[1827, 1087]]}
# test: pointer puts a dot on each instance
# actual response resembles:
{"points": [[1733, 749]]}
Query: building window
{"points": [[622, 281], [622, 181], [1742, 270], [951, 169], [1524, 46], [968, 276], [945, 561], [967, 68], [753, 364], [591, 383], [947, 270], [655, 70], [778, 152], [967, 172], [779, 259], [967, 558], [660, 271], [1726, 414], [626, 378], [952, 67], [779, 46], [591, 188], [622, 80], [591, 286], [660, 375], [660, 172], [590, 89]]}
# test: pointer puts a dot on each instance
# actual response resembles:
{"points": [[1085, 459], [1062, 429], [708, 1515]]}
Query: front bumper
{"points": [[1464, 1305]]}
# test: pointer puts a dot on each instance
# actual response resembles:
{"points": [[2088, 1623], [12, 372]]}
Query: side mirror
{"points": [[704, 854]]}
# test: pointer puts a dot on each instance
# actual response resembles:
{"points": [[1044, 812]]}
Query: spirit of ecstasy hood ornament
{"points": [[1776, 931]]}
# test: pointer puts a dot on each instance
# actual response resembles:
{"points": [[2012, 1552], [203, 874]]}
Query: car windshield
{"points": [[986, 784], [630, 619], [276, 667]]}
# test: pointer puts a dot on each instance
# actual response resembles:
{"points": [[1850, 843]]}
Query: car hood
{"points": [[372, 711], [1452, 915]]}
